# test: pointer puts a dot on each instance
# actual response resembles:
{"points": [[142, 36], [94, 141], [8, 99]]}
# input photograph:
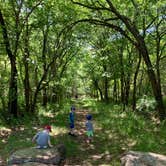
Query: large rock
{"points": [[36, 157], [133, 158]]}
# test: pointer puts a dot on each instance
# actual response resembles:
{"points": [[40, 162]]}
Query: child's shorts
{"points": [[90, 133], [71, 125]]}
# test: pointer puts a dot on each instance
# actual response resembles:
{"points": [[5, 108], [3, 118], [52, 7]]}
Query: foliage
{"points": [[146, 104]]}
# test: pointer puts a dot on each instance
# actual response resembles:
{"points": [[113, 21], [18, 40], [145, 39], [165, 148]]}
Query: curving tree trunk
{"points": [[12, 103]]}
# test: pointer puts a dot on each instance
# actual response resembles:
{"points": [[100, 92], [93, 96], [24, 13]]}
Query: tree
{"points": [[129, 29], [12, 105], [18, 20]]}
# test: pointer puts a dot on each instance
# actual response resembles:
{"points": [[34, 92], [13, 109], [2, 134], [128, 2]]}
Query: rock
{"points": [[33, 157], [133, 158]]}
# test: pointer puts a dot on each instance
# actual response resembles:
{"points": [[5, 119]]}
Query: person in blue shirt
{"points": [[89, 128], [42, 138], [71, 121]]}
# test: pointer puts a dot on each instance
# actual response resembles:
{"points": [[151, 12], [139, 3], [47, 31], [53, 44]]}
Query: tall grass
{"points": [[125, 130]]}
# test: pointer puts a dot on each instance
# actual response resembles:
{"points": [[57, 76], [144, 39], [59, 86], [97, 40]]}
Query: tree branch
{"points": [[91, 7], [103, 23]]}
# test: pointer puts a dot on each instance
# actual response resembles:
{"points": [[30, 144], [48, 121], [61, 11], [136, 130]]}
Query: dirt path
{"points": [[89, 153]]}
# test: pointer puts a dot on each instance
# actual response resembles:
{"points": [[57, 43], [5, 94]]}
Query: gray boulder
{"points": [[33, 157], [133, 158]]}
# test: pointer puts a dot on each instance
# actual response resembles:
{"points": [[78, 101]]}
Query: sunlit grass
{"points": [[130, 131], [58, 130]]}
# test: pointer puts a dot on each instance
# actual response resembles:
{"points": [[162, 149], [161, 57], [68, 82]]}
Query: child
{"points": [[71, 119], [89, 128], [42, 138]]}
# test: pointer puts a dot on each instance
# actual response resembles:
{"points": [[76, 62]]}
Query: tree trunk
{"points": [[105, 85], [127, 89], [115, 90], [45, 35], [135, 84], [99, 89], [156, 87], [121, 75], [27, 88], [12, 103]]}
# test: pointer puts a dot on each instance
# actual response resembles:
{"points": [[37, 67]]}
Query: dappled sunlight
{"points": [[131, 142], [81, 132], [1, 161], [58, 130], [4, 134], [22, 128], [96, 157], [35, 128], [48, 114], [4, 141], [123, 115], [115, 132], [110, 136], [105, 156]]}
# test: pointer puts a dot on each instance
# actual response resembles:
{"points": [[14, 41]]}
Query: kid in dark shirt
{"points": [[71, 121]]}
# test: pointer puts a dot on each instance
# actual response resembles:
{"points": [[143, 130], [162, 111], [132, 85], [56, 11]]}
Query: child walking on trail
{"points": [[42, 138], [89, 128], [71, 121]]}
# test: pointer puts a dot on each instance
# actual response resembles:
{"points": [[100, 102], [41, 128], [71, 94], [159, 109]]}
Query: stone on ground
{"points": [[133, 158], [34, 157]]}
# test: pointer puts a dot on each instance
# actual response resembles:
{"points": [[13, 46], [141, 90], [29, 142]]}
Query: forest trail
{"points": [[89, 153]]}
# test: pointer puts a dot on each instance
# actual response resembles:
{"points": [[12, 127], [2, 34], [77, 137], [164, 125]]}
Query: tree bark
{"points": [[99, 89], [135, 84], [121, 74], [12, 103], [156, 87], [45, 34], [105, 85], [115, 96], [27, 89]]}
